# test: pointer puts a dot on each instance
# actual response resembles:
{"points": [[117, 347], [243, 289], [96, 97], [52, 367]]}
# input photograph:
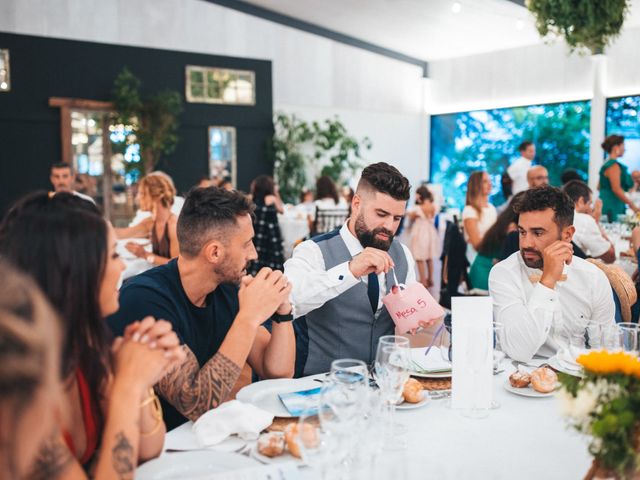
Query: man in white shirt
{"points": [[589, 236], [63, 178], [518, 169], [339, 278], [543, 294]]}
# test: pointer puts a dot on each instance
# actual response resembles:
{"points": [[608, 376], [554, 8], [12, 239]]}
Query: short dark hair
{"points": [[546, 196], [524, 145], [424, 193], [576, 190], [570, 174], [62, 165], [207, 212], [611, 141], [385, 178]]}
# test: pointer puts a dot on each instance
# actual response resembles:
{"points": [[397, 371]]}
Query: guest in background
{"points": [[543, 291], [589, 236], [155, 195], [226, 184], [205, 182], [63, 179], [306, 204], [216, 309], [30, 393], [347, 194], [424, 242], [178, 201], [537, 176], [106, 387], [501, 199], [268, 238], [327, 199], [519, 168], [492, 244], [478, 214], [615, 180], [569, 174]]}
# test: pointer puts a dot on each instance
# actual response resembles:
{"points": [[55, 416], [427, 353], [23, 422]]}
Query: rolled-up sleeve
{"points": [[526, 322], [313, 286]]}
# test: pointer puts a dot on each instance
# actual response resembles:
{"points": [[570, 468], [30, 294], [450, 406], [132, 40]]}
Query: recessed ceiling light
{"points": [[456, 7]]}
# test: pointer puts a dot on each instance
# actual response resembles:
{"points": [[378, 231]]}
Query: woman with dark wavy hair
{"points": [[69, 250], [615, 180], [268, 237]]}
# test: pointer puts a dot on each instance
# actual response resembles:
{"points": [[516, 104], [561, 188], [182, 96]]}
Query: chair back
{"points": [[327, 220]]}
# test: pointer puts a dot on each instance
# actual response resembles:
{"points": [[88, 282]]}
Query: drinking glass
{"points": [[393, 357], [445, 344], [318, 446], [629, 337], [498, 353]]}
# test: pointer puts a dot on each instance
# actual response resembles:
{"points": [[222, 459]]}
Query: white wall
{"points": [[313, 76]]}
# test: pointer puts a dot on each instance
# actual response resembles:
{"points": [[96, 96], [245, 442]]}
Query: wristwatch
{"points": [[276, 317]]}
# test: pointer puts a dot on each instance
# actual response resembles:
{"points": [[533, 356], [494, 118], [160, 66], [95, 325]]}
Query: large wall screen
{"points": [[623, 118]]}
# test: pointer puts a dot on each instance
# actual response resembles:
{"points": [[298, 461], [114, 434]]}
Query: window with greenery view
{"points": [[623, 118], [220, 85], [464, 142]]}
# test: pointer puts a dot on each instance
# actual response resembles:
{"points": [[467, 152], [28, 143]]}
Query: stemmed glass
{"points": [[318, 445], [477, 352], [498, 353], [392, 372]]}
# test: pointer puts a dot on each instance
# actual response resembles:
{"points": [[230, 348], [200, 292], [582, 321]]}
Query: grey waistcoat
{"points": [[345, 327]]}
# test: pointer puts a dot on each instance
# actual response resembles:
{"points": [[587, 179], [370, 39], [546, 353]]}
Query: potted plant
{"points": [[586, 25]]}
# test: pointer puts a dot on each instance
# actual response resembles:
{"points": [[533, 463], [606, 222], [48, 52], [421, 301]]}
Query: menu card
{"points": [[472, 352]]}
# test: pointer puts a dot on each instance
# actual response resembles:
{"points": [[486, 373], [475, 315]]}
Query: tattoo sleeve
{"points": [[122, 457], [193, 390], [53, 459]]}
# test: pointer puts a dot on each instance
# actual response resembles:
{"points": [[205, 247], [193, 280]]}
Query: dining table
{"points": [[524, 438]]}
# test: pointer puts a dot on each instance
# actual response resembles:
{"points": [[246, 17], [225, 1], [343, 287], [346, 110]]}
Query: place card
{"points": [[472, 352]]}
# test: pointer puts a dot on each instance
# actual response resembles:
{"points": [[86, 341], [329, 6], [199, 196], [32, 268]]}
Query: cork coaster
{"points": [[435, 383]]}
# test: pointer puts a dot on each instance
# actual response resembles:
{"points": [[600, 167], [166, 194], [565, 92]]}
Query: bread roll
{"points": [[412, 391], [544, 380], [519, 379], [271, 444], [309, 437]]}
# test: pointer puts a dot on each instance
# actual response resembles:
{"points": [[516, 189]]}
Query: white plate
{"points": [[264, 394], [411, 406], [561, 367], [193, 465], [430, 375], [526, 391]]}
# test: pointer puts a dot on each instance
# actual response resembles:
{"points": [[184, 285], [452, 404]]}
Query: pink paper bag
{"points": [[410, 305]]}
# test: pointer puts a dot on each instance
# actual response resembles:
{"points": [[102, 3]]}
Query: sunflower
{"points": [[607, 363]]}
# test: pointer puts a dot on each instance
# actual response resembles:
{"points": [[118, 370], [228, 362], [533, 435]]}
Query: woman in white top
{"points": [[478, 214]]}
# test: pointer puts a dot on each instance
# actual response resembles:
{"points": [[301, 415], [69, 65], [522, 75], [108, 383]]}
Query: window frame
{"points": [[206, 71]]}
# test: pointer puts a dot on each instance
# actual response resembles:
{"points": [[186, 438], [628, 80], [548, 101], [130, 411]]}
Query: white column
{"points": [[598, 117]]}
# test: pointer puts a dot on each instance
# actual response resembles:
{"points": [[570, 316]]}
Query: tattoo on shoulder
{"points": [[194, 390], [122, 457], [53, 459]]}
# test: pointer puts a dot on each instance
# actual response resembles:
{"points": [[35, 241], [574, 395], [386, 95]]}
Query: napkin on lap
{"points": [[230, 418]]}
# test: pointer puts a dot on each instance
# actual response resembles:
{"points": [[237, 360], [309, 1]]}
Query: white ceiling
{"points": [[426, 29]]}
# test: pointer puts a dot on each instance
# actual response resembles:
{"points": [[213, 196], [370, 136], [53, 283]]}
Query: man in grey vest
{"points": [[339, 278]]}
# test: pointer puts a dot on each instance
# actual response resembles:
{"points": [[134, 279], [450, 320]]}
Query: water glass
{"points": [[476, 353], [629, 337], [319, 447]]}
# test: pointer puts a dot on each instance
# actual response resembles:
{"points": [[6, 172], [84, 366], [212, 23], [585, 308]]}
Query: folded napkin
{"points": [[234, 417], [430, 363], [567, 361]]}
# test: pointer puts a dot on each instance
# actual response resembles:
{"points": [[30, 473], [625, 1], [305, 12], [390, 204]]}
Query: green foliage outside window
{"points": [[462, 143]]}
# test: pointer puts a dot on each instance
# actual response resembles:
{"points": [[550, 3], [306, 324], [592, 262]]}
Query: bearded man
{"points": [[339, 278], [543, 294], [215, 308]]}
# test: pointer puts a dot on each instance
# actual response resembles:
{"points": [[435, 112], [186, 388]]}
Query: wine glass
{"points": [[629, 337], [477, 351], [498, 353], [318, 445], [392, 372]]}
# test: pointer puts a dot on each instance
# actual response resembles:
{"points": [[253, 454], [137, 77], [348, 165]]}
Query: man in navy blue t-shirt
{"points": [[216, 309]]}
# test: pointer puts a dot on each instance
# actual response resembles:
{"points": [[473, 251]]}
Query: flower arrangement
{"points": [[605, 404]]}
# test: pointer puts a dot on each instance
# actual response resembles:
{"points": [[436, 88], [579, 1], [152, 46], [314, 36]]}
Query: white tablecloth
{"points": [[133, 264], [526, 438], [293, 227]]}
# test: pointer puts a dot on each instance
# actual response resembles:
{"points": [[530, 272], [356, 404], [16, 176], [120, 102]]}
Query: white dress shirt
{"points": [[314, 285], [518, 173], [534, 316], [588, 235]]}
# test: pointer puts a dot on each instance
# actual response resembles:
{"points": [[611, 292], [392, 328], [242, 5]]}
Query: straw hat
{"points": [[622, 284]]}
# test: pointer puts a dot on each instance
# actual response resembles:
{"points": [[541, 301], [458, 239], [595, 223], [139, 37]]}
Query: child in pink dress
{"points": [[423, 238]]}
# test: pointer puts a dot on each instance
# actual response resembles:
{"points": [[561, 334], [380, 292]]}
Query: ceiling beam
{"points": [[314, 29]]}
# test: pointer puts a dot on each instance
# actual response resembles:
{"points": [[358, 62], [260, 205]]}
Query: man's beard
{"points": [[532, 263], [228, 273], [368, 237]]}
